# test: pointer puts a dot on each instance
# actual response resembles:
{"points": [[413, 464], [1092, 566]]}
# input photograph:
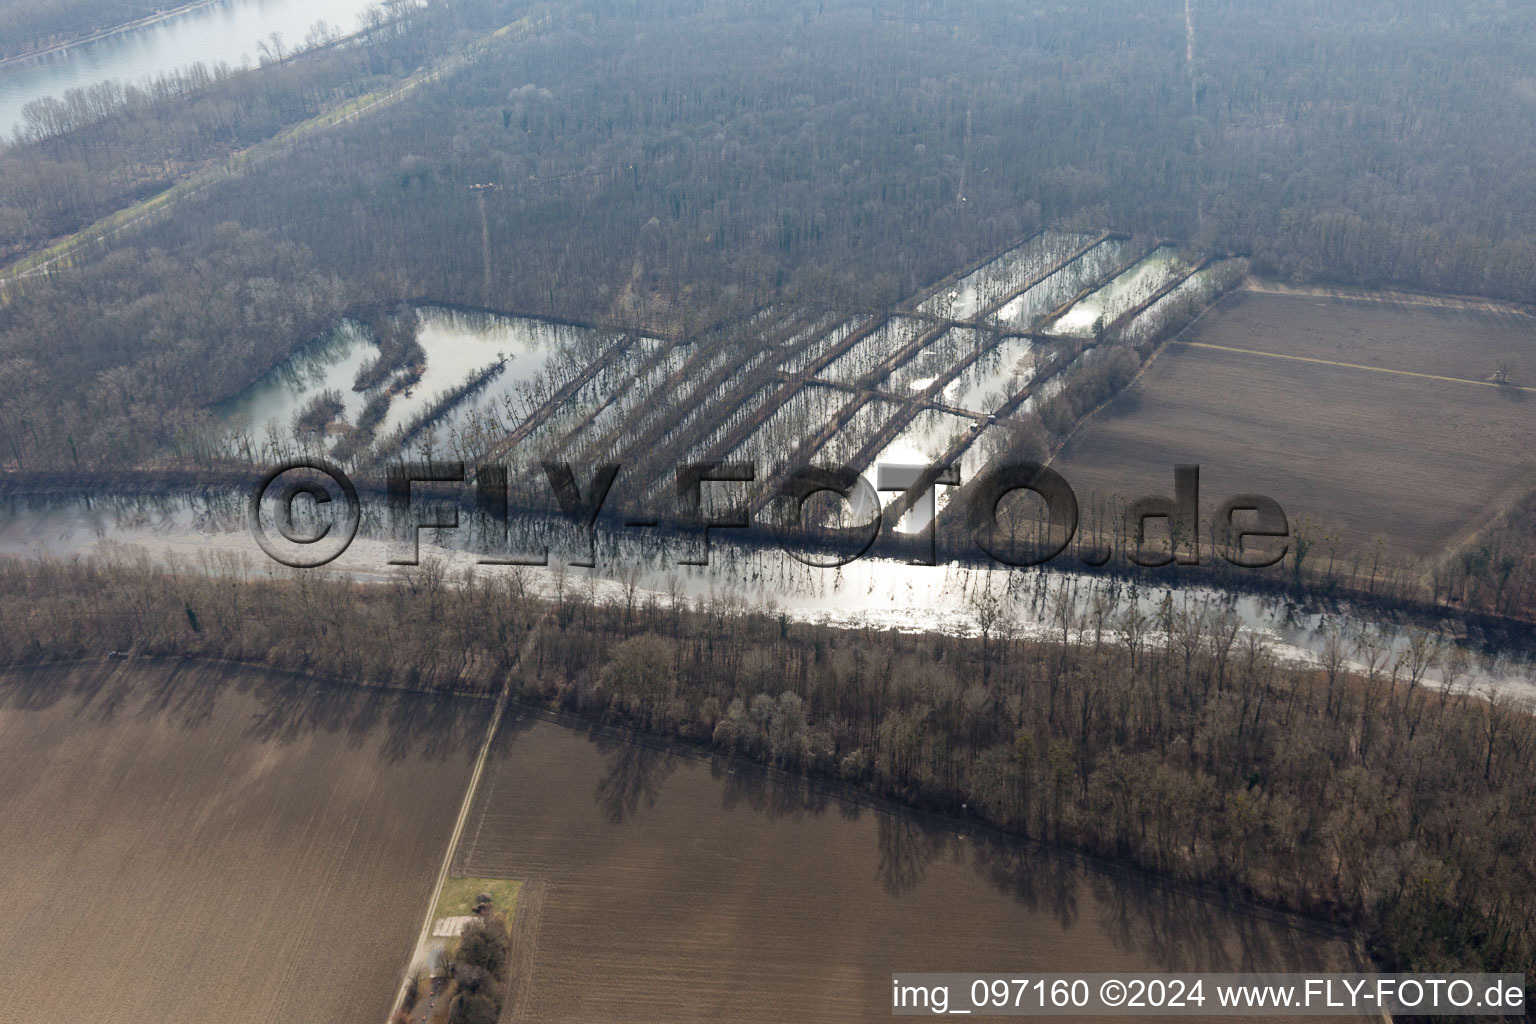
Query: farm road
{"points": [[1353, 366], [424, 938]]}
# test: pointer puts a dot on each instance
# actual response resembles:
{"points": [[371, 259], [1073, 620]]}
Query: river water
{"points": [[226, 31], [211, 533], [455, 344]]}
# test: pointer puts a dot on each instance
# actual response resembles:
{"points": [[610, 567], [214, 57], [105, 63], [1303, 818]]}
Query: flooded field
{"points": [[802, 360], [986, 286], [922, 442], [936, 360], [879, 591], [198, 843], [883, 343], [782, 383], [330, 364], [1025, 311], [771, 444], [667, 889], [1119, 296], [1250, 393], [1186, 300], [519, 359], [994, 377], [460, 344]]}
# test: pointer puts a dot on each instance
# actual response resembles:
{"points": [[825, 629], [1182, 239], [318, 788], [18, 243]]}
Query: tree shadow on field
{"points": [[291, 707], [1173, 927], [1126, 404], [370, 709], [111, 696], [634, 774], [514, 724], [87, 685], [185, 693], [283, 707], [906, 840], [1039, 878], [763, 791], [41, 688], [407, 725], [1185, 929], [435, 727], [906, 843]]}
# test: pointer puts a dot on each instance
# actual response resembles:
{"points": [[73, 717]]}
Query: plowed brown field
{"points": [[210, 845], [666, 890], [1255, 395]]}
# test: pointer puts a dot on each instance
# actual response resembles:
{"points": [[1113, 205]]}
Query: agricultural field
{"points": [[205, 843], [1372, 419], [661, 888], [1447, 337]]}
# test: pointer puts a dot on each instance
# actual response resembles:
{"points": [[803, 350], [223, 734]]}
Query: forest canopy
{"points": [[672, 163]]}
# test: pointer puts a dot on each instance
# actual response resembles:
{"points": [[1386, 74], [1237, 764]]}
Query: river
{"points": [[873, 592], [224, 31]]}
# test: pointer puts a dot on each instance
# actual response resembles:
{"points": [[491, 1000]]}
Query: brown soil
{"points": [[1415, 461], [217, 844], [1403, 333], [678, 891]]}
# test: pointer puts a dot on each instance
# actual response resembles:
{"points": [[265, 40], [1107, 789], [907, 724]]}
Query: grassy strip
{"points": [[458, 896]]}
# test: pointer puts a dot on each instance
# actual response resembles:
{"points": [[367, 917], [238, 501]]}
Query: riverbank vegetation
{"points": [[1495, 572], [1174, 741]]}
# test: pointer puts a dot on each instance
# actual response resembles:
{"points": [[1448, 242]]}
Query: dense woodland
{"points": [[100, 149], [1496, 572], [78, 157], [675, 162], [1373, 799]]}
